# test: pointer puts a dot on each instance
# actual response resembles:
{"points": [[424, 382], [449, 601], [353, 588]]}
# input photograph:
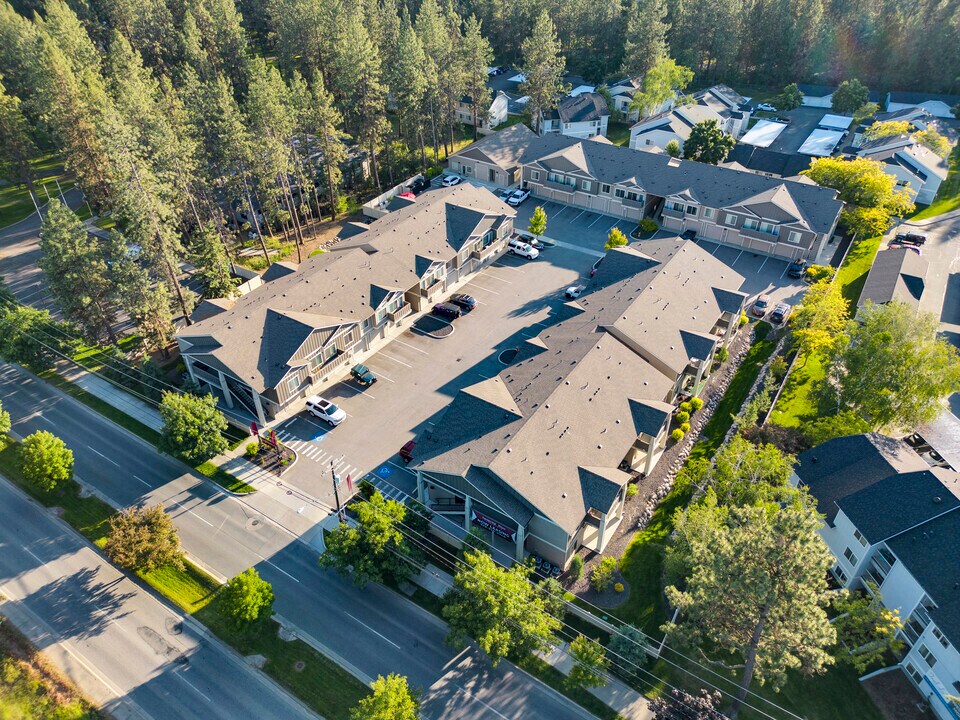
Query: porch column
{"points": [[467, 508], [226, 390], [601, 541], [421, 490], [260, 414], [520, 539], [651, 450], [700, 369], [188, 361]]}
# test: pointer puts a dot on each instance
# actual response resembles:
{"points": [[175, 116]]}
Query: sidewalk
{"points": [[112, 395]]}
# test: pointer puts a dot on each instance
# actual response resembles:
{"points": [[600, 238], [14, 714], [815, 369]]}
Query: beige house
{"points": [[540, 456]]}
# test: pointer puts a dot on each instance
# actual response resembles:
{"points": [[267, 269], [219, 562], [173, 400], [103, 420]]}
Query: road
{"points": [[129, 651], [372, 629]]}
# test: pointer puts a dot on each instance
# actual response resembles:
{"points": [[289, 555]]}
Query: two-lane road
{"points": [[130, 652], [373, 629]]}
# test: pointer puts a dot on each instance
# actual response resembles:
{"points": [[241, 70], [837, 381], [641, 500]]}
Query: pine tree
{"points": [[16, 146], [543, 67], [477, 56], [646, 41], [326, 122], [213, 266], [77, 273], [408, 84]]}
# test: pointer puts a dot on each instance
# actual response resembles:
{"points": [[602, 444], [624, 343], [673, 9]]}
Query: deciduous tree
{"points": [[498, 608], [4, 420], [790, 99], [45, 460], [866, 629], [538, 221], [392, 699], [849, 96], [871, 193], [820, 318], [758, 591], [663, 82], [615, 239], [708, 143], [246, 598], [889, 128], [192, 426], [681, 705], [31, 337], [828, 427], [933, 140], [590, 663], [143, 539]]}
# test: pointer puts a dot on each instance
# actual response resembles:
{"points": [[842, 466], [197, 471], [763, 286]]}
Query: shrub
{"points": [[685, 427], [45, 460], [682, 416], [677, 435], [252, 449], [246, 598], [632, 490], [602, 574], [192, 427], [143, 539], [816, 273], [696, 404], [648, 225], [723, 354], [618, 587], [576, 567], [778, 367], [366, 489], [686, 406], [743, 319]]}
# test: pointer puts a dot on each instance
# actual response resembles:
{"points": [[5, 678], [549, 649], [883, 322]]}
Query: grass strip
{"points": [[224, 479], [549, 675], [315, 679], [948, 195]]}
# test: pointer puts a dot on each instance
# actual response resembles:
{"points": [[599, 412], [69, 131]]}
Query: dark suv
{"points": [[797, 268], [419, 185], [447, 310], [464, 302]]}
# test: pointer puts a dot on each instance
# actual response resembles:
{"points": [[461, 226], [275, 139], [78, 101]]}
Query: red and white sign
{"points": [[494, 526]]}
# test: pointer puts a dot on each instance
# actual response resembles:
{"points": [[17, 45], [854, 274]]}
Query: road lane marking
{"points": [[412, 347], [281, 570], [476, 699], [374, 631], [136, 477], [390, 357], [34, 555], [200, 518], [198, 691], [103, 456]]}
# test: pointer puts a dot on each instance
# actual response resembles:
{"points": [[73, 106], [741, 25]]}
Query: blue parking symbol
{"points": [[384, 471]]}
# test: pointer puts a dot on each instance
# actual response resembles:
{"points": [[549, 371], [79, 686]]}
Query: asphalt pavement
{"points": [[129, 652], [371, 630]]}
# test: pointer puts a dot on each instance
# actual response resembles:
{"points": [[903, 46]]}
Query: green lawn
{"points": [[322, 684], [189, 589], [549, 675], [948, 196], [15, 202], [853, 272], [224, 479], [618, 133]]}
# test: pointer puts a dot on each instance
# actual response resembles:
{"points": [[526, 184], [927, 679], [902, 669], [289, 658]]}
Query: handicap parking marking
{"points": [[384, 472]]}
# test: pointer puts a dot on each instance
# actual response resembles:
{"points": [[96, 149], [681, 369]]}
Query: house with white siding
{"points": [[892, 522]]}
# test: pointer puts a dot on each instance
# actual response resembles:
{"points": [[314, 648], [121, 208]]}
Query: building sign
{"points": [[497, 528], [254, 429]]}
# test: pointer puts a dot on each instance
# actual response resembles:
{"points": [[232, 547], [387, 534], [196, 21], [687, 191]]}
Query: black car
{"points": [[419, 185], [447, 310], [911, 238], [797, 268], [464, 302], [362, 374]]}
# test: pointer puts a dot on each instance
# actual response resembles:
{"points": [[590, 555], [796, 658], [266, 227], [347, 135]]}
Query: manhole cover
{"points": [[299, 665], [253, 523]]}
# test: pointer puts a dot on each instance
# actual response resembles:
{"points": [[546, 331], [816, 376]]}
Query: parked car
{"points": [[325, 410], [780, 313], [419, 185], [462, 301], [797, 268], [406, 452], [574, 291], [899, 245], [447, 310], [530, 240], [506, 193], [518, 247], [911, 238], [760, 306], [766, 107], [451, 180], [518, 197], [596, 266], [362, 374]]}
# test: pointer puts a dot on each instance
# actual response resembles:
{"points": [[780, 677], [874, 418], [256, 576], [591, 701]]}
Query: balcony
{"points": [[433, 291], [448, 505], [668, 212], [484, 254], [562, 187], [400, 313], [760, 235]]}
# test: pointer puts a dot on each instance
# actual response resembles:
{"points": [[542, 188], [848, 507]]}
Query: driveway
{"points": [[803, 121]]}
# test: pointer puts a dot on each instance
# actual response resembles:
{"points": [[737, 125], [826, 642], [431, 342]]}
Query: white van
{"points": [[518, 247]]}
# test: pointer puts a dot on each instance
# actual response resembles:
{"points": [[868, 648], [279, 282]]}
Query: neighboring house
{"points": [[622, 93], [821, 96], [918, 117], [265, 352], [499, 157], [940, 106], [917, 168], [490, 116], [584, 115], [768, 162], [541, 455], [896, 274], [894, 522], [719, 103]]}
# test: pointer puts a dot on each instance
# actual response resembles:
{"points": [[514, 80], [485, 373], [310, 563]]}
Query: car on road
{"points": [[760, 306], [797, 268], [911, 238], [362, 374], [518, 197], [780, 313], [463, 301], [451, 180], [447, 310], [766, 107], [894, 245], [518, 247], [574, 291], [325, 410]]}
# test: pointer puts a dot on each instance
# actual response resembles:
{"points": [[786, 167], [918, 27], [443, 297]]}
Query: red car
{"points": [[406, 452]]}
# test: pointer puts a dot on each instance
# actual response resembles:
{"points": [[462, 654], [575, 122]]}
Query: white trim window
{"points": [[793, 237], [674, 205], [914, 674], [535, 175], [928, 657], [708, 213], [293, 382], [851, 557], [730, 220], [605, 189], [860, 537], [940, 636], [586, 185]]}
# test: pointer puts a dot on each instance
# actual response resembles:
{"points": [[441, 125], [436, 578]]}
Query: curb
{"points": [[323, 649]]}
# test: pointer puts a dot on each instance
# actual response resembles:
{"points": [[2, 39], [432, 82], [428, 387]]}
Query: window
{"points": [[468, 170], [620, 193], [708, 213], [914, 673], [605, 189], [691, 210], [941, 637], [860, 538], [759, 226], [851, 557], [293, 382], [928, 656], [793, 237], [649, 142], [560, 179], [674, 205], [633, 196], [839, 573], [586, 185], [730, 219], [535, 175]]}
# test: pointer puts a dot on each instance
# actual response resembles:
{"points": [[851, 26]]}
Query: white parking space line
{"points": [[507, 267], [401, 467], [473, 285], [316, 424], [578, 216], [356, 389], [390, 357], [598, 219], [737, 258], [283, 425], [785, 268], [613, 226], [412, 347], [763, 263], [493, 276]]}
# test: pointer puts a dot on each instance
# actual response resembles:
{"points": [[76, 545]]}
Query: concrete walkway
{"points": [[936, 218], [136, 408]]}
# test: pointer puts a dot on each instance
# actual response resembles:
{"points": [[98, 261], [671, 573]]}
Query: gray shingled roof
{"points": [[584, 107], [896, 274], [845, 465], [555, 426]]}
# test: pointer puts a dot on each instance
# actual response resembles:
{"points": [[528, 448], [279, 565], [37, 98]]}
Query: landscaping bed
{"points": [[433, 326]]}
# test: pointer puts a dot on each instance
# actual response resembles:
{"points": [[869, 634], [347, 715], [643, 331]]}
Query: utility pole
{"points": [[336, 491]]}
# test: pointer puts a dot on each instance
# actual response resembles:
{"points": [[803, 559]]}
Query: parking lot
{"points": [[418, 374]]}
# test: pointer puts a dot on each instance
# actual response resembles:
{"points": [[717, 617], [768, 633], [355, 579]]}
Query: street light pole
{"points": [[336, 490]]}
